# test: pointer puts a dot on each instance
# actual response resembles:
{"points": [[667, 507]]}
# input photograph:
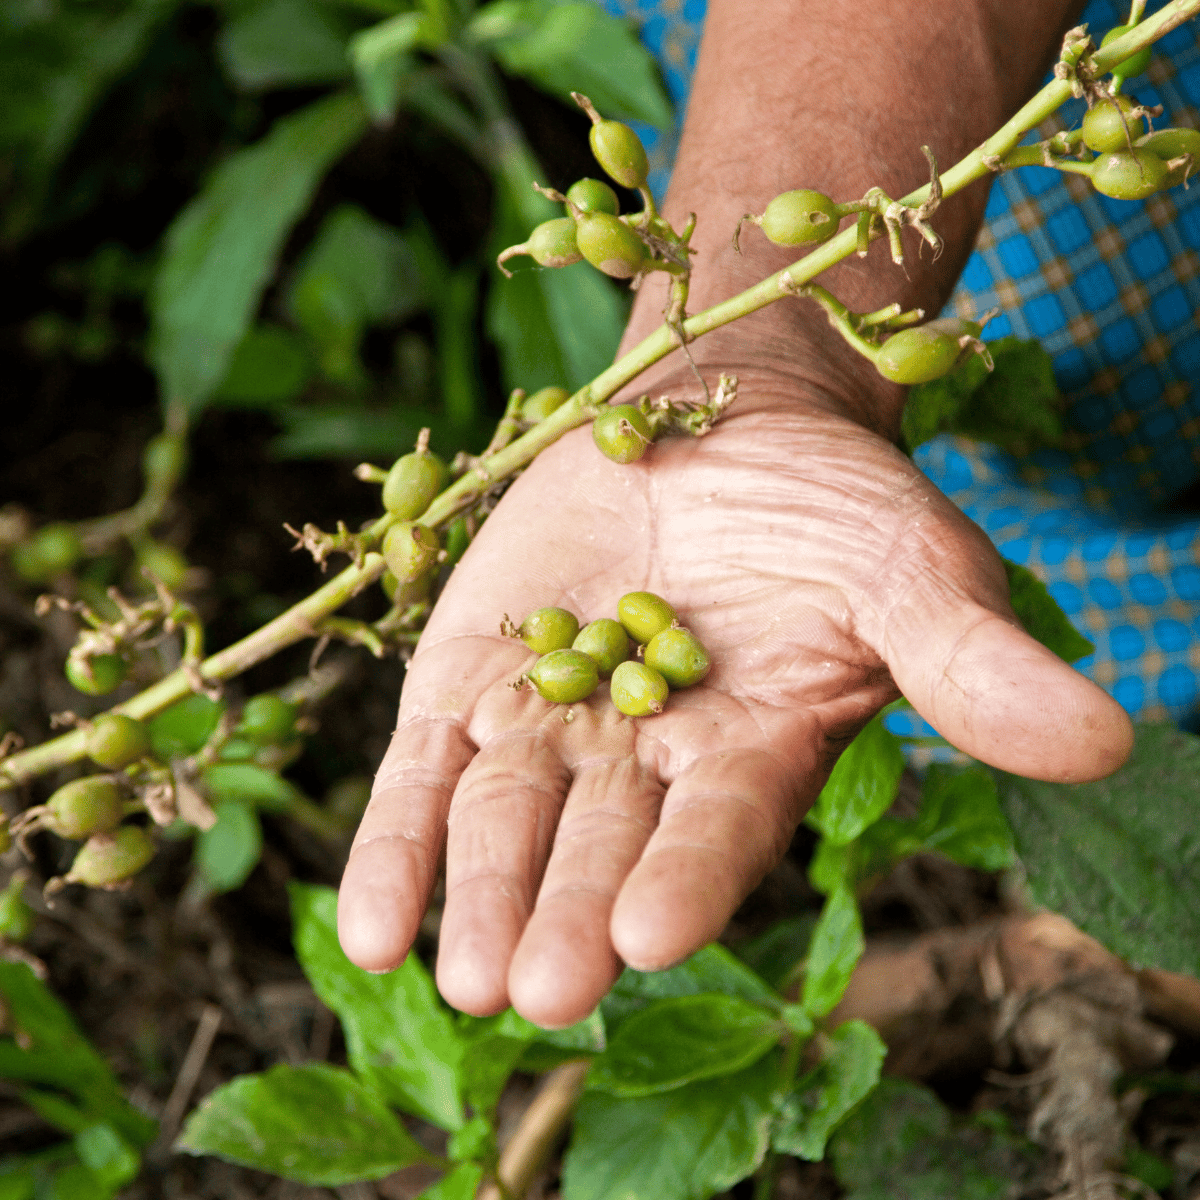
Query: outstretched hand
{"points": [[824, 574]]}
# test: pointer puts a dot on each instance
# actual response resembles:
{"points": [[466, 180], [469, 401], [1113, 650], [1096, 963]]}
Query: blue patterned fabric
{"points": [[1111, 289]]}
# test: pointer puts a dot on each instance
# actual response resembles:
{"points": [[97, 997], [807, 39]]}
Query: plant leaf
{"points": [[961, 817], [1121, 857], [283, 43], [358, 272], [382, 58], [313, 1124], [710, 969], [673, 1042], [551, 326], [183, 728], [775, 953], [398, 1036], [848, 1071], [221, 250], [59, 1055], [459, 1184], [355, 431], [901, 1141], [684, 1144], [1039, 612], [861, 787], [269, 368], [248, 783], [104, 1152], [228, 851], [576, 47], [837, 944]]}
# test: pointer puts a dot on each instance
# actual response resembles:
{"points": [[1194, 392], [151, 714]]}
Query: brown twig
{"points": [[538, 1132]]}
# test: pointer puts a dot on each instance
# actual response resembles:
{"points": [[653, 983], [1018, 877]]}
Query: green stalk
{"points": [[515, 162]]}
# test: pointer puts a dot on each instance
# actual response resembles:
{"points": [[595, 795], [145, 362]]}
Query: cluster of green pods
{"points": [[593, 230], [644, 653], [1132, 163]]}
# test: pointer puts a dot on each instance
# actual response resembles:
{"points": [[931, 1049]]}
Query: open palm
{"points": [[823, 573]]}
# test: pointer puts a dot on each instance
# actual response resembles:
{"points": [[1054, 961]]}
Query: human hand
{"points": [[822, 571]]}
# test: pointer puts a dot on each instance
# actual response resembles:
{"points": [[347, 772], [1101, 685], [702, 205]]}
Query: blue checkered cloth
{"points": [[1111, 288]]}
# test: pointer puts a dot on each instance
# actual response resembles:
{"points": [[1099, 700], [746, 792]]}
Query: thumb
{"points": [[994, 692]]}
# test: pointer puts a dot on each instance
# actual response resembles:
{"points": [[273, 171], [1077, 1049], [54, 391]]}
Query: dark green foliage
{"points": [[1015, 406], [1120, 857], [902, 1144]]}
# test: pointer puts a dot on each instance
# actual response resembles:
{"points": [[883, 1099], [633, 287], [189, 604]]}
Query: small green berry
{"points": [[552, 243], [1128, 175], [52, 550], [547, 629], [412, 483], [107, 860], [1108, 125], [593, 195], [643, 614], [564, 676], [1137, 62], [16, 917], [163, 561], [616, 147], [638, 690], [543, 402], [621, 432], [411, 592], [800, 218], [919, 354], [115, 740], [610, 245], [1174, 143], [410, 549], [677, 655], [605, 641], [83, 807], [267, 718], [99, 675]]}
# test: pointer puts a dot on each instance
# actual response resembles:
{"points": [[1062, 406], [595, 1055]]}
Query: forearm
{"points": [[840, 96]]}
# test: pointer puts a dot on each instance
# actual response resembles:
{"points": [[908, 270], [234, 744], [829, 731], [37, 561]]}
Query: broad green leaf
{"points": [[551, 326], [1121, 857], [459, 1184], [902, 1142], [183, 728], [355, 431], [398, 1036], [313, 1124], [358, 272], [102, 1150], [382, 58], [52, 75], [684, 1144], [1016, 405], [1039, 612], [776, 952], [851, 1061], [57, 1054], [248, 783], [269, 367], [17, 1187], [961, 818], [55, 1110], [673, 1042], [221, 250], [227, 852], [837, 944], [861, 787], [492, 1048], [711, 969], [474, 1142], [552, 1047], [283, 43], [576, 47]]}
